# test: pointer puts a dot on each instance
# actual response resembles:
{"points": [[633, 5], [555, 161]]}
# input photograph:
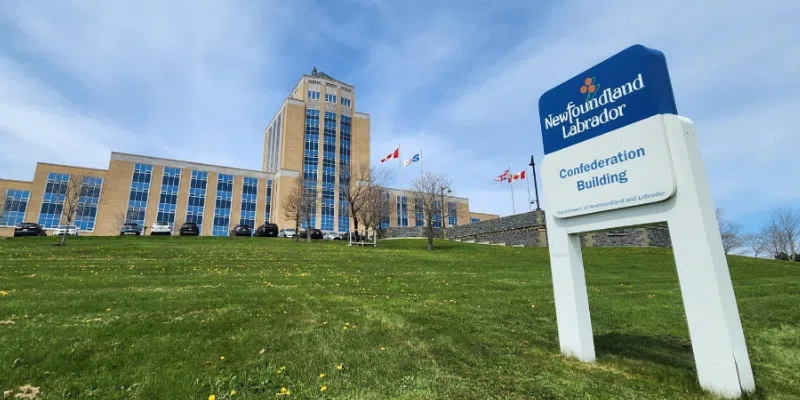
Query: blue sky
{"points": [[459, 79]]}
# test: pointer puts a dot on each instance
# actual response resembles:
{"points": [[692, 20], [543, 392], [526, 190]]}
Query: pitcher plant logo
{"points": [[589, 88]]}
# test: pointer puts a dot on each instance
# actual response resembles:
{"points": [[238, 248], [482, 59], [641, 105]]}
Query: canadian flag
{"points": [[504, 176], [517, 177], [394, 154]]}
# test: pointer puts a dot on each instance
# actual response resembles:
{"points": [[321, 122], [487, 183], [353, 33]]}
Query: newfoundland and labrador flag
{"points": [[411, 160]]}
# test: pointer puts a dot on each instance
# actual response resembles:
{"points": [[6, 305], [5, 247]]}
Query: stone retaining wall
{"points": [[529, 229]]}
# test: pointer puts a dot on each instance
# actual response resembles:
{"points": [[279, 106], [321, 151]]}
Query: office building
{"points": [[316, 133]]}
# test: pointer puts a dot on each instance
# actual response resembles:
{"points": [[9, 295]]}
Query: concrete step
{"points": [[517, 245], [498, 244], [468, 241], [482, 242]]}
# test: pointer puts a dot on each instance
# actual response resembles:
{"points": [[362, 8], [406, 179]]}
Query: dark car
{"points": [[314, 233], [190, 229], [267, 230], [29, 229], [131, 228], [241, 230]]}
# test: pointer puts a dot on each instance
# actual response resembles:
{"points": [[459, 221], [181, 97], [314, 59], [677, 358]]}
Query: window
{"points": [[140, 192], [437, 216], [222, 206], [452, 213], [168, 200], [345, 102], [387, 220], [53, 200], [313, 95], [474, 220], [345, 126], [344, 214], [14, 207], [311, 157], [269, 201], [402, 211], [330, 98], [419, 212], [249, 195], [88, 202], [197, 198], [328, 170]]}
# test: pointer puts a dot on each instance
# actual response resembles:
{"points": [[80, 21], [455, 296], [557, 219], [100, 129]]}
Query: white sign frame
{"points": [[715, 329]]}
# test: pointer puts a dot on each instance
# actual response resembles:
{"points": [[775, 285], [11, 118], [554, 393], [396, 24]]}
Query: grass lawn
{"points": [[184, 318]]}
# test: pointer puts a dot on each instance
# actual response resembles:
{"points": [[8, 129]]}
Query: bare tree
{"points": [[754, 243], [782, 231], [119, 221], [428, 189], [730, 231], [375, 208], [72, 191], [300, 205], [356, 184], [292, 206]]}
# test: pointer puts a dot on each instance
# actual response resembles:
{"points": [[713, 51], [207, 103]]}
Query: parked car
{"points": [[315, 234], [29, 229], [241, 230], [130, 228], [190, 229], [161, 228], [267, 230], [332, 236], [287, 233], [69, 230]]}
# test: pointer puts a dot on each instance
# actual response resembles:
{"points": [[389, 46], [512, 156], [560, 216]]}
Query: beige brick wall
{"points": [[261, 202], [359, 147], [292, 139], [284, 186], [114, 198], [482, 216], [463, 213], [236, 205]]}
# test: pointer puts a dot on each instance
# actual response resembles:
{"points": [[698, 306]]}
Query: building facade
{"points": [[316, 134]]}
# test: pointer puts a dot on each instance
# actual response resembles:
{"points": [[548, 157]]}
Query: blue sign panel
{"points": [[628, 87]]}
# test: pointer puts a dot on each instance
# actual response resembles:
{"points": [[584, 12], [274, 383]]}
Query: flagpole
{"points": [[400, 165], [511, 185], [528, 181], [420, 164]]}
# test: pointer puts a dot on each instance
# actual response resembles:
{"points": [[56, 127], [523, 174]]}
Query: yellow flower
{"points": [[233, 392], [324, 388], [3, 293], [322, 375], [284, 390], [345, 328], [212, 397], [222, 358], [339, 367], [383, 348]]}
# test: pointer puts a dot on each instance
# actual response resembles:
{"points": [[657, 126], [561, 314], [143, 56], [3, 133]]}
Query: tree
{"points": [[376, 207], [754, 242], [730, 231], [428, 190], [300, 205], [782, 233], [357, 184], [73, 190], [119, 221]]}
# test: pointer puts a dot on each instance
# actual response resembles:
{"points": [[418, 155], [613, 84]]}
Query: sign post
{"points": [[617, 154]]}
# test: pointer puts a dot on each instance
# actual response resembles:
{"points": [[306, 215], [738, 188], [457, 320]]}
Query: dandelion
{"points": [[3, 293], [339, 367], [322, 375], [212, 397], [383, 348], [233, 392], [222, 358], [323, 388], [345, 328]]}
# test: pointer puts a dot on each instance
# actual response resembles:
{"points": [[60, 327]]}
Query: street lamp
{"points": [[442, 213], [535, 185]]}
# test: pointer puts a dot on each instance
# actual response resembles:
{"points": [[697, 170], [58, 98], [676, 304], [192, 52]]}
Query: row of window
{"points": [[195, 210], [14, 206], [273, 144]]}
